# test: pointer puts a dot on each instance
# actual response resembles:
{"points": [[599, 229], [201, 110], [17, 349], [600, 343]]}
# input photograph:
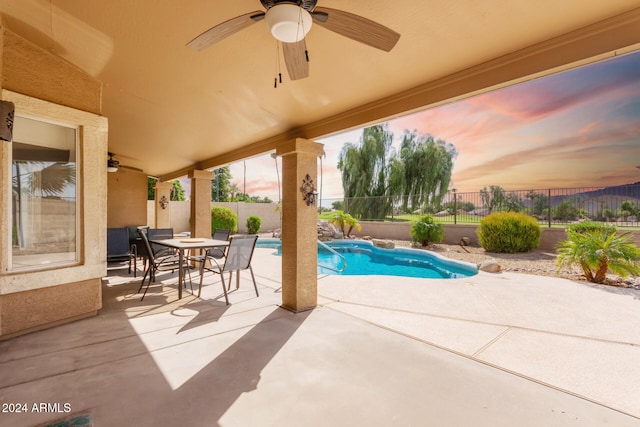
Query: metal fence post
{"points": [[549, 208], [455, 207]]}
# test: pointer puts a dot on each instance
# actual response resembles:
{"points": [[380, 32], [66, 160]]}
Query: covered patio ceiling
{"points": [[172, 109]]}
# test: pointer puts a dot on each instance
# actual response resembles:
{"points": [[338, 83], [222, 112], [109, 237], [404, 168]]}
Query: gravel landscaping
{"points": [[535, 262]]}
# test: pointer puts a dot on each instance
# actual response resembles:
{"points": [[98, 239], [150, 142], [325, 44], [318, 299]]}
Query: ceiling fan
{"points": [[113, 164], [290, 21]]}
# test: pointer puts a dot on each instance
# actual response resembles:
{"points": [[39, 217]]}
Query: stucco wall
{"points": [[549, 238], [181, 212], [31, 300], [126, 198]]}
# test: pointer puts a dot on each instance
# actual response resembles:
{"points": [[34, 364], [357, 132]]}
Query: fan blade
{"points": [[295, 56], [224, 30], [356, 27], [131, 168]]}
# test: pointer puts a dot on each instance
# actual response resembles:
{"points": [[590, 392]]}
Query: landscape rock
{"points": [[386, 244], [326, 231], [489, 266]]}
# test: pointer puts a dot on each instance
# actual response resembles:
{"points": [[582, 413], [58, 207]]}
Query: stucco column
{"points": [[200, 203], [162, 197], [299, 225]]}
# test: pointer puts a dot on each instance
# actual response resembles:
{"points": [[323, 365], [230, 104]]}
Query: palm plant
{"points": [[342, 219], [352, 223], [598, 252]]}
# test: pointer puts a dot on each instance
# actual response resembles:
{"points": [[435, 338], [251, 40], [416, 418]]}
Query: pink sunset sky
{"points": [[578, 128]]}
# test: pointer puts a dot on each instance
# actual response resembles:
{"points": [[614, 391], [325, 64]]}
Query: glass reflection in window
{"points": [[44, 206]]}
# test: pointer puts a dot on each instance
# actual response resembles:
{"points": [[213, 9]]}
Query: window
{"points": [[44, 214]]}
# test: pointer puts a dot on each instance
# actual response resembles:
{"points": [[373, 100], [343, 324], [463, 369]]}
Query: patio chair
{"points": [[118, 248], [134, 239], [165, 262], [217, 252], [238, 258], [160, 234]]}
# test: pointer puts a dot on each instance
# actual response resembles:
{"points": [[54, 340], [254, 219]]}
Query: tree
{"points": [[338, 205], [539, 202], [419, 174], [221, 185], [151, 184], [493, 198], [365, 168], [630, 207], [177, 193], [424, 166], [565, 211], [513, 203]]}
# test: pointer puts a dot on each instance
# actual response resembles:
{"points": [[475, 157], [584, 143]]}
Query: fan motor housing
{"points": [[307, 5]]}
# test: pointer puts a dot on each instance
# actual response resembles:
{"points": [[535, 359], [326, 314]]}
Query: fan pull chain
{"points": [[278, 67]]}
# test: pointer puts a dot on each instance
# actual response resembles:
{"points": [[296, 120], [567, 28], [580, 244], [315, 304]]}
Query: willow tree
{"points": [[365, 173], [427, 164], [373, 174]]}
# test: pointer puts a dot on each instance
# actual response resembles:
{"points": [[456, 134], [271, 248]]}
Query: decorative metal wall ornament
{"points": [[7, 110], [308, 190], [164, 202]]}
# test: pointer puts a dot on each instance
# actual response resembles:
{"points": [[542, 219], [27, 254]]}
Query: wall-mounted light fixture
{"points": [[7, 111], [164, 202], [112, 165], [308, 190]]}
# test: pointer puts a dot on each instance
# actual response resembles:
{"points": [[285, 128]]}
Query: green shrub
{"points": [[427, 230], [508, 232], [223, 218], [608, 214], [585, 227], [565, 211], [253, 224]]}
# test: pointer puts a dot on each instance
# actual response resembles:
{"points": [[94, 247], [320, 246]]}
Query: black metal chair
{"points": [[238, 258], [160, 234], [160, 261], [134, 239], [119, 249]]}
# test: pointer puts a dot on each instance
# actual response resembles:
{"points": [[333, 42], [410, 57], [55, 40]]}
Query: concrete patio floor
{"points": [[490, 350]]}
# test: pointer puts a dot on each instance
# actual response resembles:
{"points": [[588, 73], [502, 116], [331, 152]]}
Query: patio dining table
{"points": [[184, 244]]}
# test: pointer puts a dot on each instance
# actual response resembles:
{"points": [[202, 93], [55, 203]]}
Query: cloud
{"points": [[577, 128]]}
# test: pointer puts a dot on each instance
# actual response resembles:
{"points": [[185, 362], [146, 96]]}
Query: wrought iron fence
{"points": [[556, 206]]}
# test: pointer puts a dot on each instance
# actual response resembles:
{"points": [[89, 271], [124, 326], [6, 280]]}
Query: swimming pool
{"points": [[363, 258]]}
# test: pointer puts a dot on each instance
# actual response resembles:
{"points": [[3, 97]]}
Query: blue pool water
{"points": [[365, 259]]}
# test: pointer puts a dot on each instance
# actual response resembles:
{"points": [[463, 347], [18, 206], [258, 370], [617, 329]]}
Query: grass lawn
{"points": [[473, 220]]}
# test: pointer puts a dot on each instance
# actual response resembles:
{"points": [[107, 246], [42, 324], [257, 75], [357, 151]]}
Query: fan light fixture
{"points": [[288, 22]]}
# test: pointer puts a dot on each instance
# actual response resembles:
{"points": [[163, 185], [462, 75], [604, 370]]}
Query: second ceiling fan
{"points": [[290, 21]]}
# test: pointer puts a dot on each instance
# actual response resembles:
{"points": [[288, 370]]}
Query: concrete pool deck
{"points": [[489, 350]]}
